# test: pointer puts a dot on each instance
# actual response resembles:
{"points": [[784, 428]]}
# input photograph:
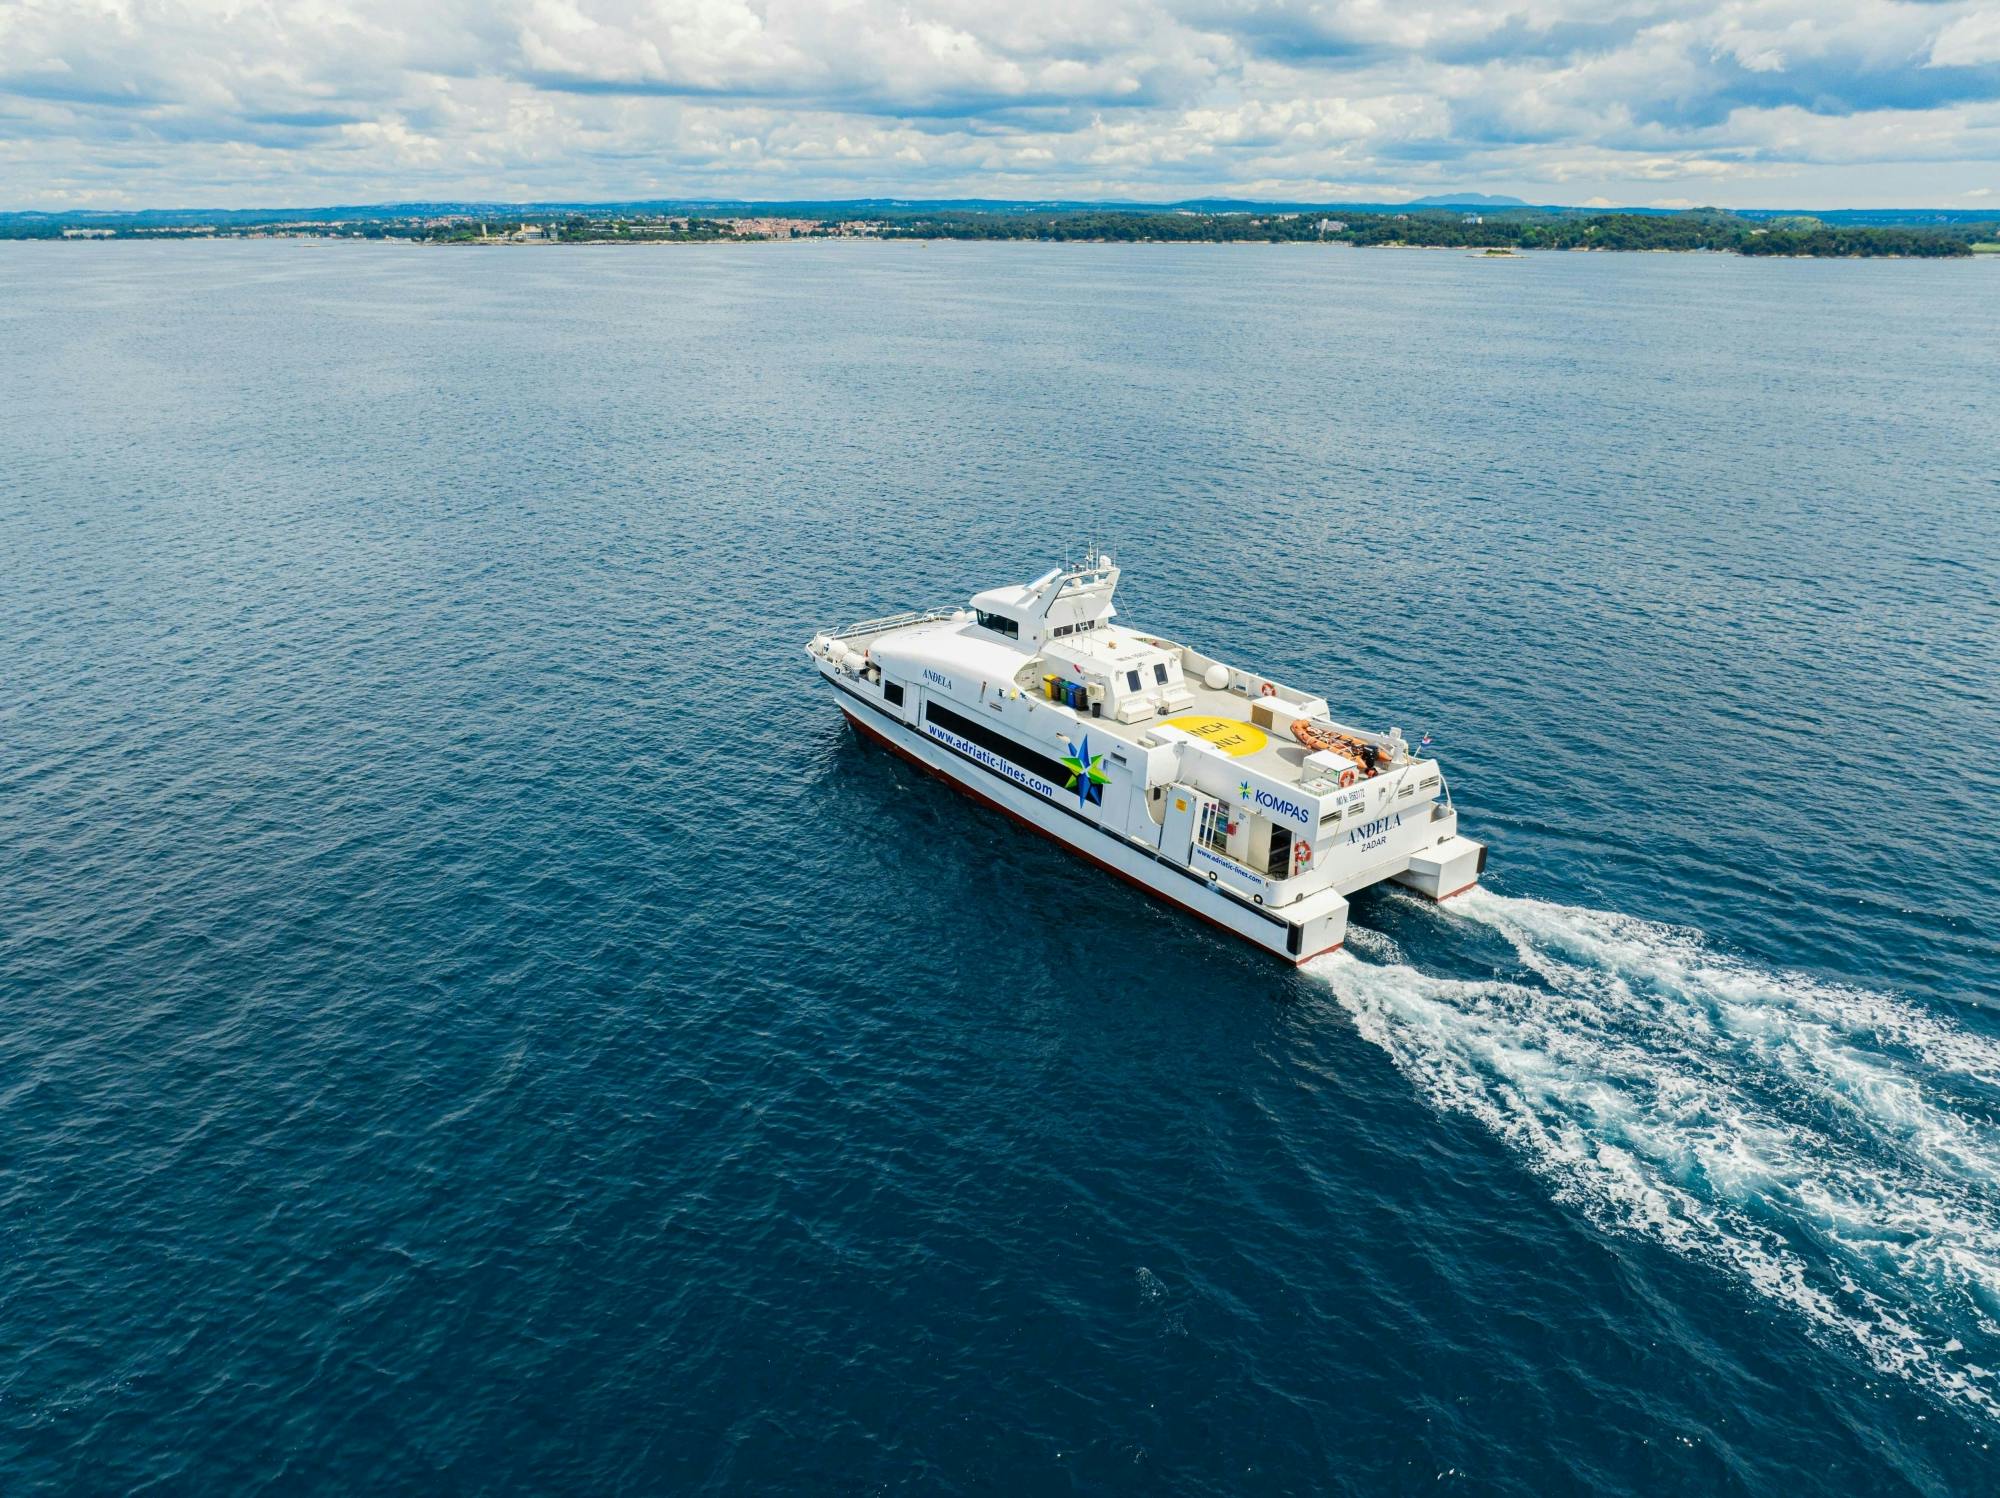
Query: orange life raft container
{"points": [[1318, 736]]}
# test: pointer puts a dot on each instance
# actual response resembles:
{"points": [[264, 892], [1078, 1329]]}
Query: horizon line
{"points": [[1469, 199]]}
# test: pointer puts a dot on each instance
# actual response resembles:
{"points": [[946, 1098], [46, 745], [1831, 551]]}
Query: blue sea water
{"points": [[474, 1019]]}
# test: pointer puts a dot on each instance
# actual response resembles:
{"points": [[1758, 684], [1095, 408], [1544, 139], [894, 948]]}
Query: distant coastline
{"points": [[1919, 234]]}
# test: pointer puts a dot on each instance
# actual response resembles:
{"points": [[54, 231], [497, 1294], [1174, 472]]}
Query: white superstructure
{"points": [[1210, 785]]}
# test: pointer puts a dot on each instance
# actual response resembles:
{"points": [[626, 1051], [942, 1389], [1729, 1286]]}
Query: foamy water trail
{"points": [[1831, 1148]]}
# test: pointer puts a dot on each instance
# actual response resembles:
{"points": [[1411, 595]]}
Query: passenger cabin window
{"points": [[893, 692], [1000, 624], [1159, 673], [998, 744], [1065, 629], [1131, 681]]}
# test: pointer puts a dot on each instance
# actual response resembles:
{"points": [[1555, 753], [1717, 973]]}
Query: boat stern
{"points": [[1318, 925], [1445, 869]]}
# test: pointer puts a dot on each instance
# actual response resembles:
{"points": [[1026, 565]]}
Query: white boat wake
{"points": [[1834, 1150]]}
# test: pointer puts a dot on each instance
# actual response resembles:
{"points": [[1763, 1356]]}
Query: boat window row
{"points": [[1073, 629], [1159, 675], [1008, 749]]}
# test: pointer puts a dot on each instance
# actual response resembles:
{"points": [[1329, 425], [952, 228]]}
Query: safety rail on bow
{"points": [[891, 621]]}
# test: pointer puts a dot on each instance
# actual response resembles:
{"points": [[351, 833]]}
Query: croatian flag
{"points": [[1424, 742]]}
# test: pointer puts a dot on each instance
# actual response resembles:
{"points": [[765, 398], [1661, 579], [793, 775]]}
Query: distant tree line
{"points": [[1699, 230], [1507, 228]]}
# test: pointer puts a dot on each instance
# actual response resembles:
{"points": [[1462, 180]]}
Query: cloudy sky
{"points": [[241, 103]]}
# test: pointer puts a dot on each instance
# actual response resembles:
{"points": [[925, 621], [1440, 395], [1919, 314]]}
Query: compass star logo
{"points": [[1086, 777]]}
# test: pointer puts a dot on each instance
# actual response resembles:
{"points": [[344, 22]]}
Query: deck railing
{"points": [[891, 621]]}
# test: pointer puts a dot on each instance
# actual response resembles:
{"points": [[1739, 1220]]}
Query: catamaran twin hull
{"points": [[1218, 789]]}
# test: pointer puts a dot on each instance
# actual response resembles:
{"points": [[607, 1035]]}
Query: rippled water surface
{"points": [[472, 1017]]}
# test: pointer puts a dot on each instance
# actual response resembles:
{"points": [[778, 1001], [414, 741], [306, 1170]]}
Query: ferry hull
{"points": [[1292, 941]]}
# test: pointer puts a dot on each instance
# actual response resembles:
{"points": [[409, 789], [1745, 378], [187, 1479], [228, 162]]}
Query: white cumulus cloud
{"points": [[242, 102]]}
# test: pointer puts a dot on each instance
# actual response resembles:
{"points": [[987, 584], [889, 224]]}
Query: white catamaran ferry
{"points": [[1214, 787]]}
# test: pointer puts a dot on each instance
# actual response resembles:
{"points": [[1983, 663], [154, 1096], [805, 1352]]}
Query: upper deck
{"points": [[1220, 719], [1054, 649]]}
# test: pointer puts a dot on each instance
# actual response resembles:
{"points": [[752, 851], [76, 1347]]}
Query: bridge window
{"points": [[1000, 624]]}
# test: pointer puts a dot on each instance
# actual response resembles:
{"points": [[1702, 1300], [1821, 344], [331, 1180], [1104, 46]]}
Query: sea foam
{"points": [[1832, 1149]]}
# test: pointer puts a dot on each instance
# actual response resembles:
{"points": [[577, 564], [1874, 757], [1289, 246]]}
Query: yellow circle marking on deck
{"points": [[1232, 736]]}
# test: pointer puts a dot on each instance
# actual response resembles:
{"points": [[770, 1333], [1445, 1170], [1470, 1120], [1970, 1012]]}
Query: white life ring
{"points": [[1347, 777]]}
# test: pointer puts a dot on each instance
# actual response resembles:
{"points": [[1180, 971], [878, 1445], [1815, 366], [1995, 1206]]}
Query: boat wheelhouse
{"points": [[1213, 786]]}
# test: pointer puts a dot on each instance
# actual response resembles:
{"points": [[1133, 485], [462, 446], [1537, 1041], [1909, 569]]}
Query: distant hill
{"points": [[1466, 200]]}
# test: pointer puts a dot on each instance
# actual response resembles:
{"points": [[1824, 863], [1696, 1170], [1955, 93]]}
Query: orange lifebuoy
{"points": [[1302, 854], [1347, 777], [1268, 690]]}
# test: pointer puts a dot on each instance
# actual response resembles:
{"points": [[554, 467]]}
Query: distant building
{"points": [[1475, 218], [88, 233], [1331, 226], [773, 228]]}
